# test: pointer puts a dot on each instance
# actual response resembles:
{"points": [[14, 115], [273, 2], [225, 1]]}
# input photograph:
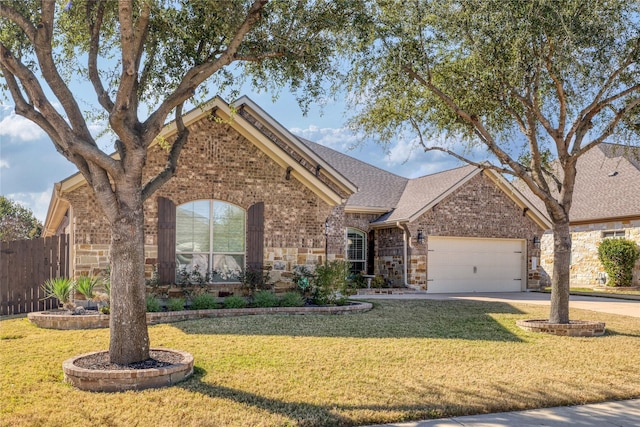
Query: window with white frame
{"points": [[357, 250], [614, 234], [210, 237]]}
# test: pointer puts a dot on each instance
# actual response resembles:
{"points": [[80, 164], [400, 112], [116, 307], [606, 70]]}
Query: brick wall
{"points": [[477, 209], [218, 163], [585, 240]]}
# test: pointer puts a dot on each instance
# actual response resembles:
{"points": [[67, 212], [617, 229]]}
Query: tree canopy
{"points": [[17, 222], [528, 81]]}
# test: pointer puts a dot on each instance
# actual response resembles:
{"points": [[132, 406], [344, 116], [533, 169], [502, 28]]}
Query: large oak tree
{"points": [[144, 59], [530, 81]]}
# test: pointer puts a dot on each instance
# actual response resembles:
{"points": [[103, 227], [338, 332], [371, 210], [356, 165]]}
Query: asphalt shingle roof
{"points": [[377, 188], [607, 184]]}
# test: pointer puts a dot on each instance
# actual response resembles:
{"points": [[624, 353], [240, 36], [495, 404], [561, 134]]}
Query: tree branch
{"points": [[13, 15], [172, 160], [194, 77], [94, 47]]}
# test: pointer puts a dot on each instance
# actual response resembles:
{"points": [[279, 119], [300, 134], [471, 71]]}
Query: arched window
{"points": [[210, 235], [357, 250]]}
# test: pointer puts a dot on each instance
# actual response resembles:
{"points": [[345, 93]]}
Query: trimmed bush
{"points": [[175, 304], [203, 302], [618, 256], [153, 305], [292, 299], [235, 301], [265, 299]]}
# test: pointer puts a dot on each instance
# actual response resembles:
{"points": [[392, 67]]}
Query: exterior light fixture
{"points": [[420, 236], [536, 242]]}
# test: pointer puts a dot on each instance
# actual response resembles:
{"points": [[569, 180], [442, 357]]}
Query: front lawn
{"points": [[404, 360]]}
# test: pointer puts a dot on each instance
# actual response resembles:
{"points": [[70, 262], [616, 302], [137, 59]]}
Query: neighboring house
{"points": [[248, 194], [606, 204]]}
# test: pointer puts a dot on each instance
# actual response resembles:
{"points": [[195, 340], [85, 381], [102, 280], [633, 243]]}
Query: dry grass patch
{"points": [[403, 360]]}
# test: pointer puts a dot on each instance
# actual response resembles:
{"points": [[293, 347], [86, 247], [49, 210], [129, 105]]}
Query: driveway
{"points": [[604, 305]]}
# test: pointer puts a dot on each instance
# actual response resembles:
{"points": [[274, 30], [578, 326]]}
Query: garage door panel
{"points": [[474, 265]]}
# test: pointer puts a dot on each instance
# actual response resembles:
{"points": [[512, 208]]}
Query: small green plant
{"points": [[303, 277], [59, 288], [105, 309], [255, 280], [618, 256], [331, 280], [86, 286], [153, 305], [203, 302], [265, 299], [175, 304], [235, 301], [292, 299]]}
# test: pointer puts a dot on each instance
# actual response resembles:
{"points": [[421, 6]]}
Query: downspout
{"points": [[405, 253]]}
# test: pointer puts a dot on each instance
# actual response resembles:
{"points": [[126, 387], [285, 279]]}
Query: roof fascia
{"points": [[366, 210], [605, 220], [514, 194], [282, 132], [58, 207]]}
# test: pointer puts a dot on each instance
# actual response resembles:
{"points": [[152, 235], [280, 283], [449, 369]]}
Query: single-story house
{"points": [[606, 204], [249, 194]]}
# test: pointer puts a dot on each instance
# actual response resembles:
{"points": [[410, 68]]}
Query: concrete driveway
{"points": [[604, 305]]}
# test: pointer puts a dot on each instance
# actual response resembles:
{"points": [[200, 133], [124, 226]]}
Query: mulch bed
{"points": [[159, 359]]}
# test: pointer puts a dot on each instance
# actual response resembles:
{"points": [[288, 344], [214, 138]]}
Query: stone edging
{"points": [[127, 379], [576, 328], [94, 321]]}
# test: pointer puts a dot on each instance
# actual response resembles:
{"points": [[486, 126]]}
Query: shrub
{"points": [[59, 287], [331, 279], [235, 301], [292, 299], [153, 305], [265, 299], [203, 302], [255, 280], [618, 257], [175, 304]]}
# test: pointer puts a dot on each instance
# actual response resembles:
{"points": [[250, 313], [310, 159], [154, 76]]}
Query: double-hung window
{"points": [[357, 250]]}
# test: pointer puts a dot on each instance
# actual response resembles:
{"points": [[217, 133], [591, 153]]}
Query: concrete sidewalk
{"points": [[604, 305], [609, 414]]}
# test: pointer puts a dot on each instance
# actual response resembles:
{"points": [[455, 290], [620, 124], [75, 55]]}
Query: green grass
{"points": [[404, 360]]}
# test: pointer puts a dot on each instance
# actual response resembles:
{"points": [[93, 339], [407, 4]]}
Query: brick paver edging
{"points": [[127, 379], [68, 321], [576, 328]]}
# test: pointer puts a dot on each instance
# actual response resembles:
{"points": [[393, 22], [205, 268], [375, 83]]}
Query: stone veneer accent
{"points": [[585, 239]]}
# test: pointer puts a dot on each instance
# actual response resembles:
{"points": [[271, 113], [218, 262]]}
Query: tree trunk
{"points": [[561, 269], [129, 339]]}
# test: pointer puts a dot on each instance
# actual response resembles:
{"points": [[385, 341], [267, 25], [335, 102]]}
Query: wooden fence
{"points": [[24, 266]]}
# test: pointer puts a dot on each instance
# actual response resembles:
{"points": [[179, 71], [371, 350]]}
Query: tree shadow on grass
{"points": [[468, 320], [436, 405]]}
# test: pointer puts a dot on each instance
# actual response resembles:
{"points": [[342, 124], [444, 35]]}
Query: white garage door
{"points": [[475, 265]]}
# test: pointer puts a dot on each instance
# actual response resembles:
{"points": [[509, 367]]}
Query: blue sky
{"points": [[30, 165]]}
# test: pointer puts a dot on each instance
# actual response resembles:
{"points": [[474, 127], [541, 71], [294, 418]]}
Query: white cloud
{"points": [[4, 164], [340, 139], [18, 128]]}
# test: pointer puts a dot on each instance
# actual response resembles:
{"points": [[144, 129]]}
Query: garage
{"points": [[456, 265]]}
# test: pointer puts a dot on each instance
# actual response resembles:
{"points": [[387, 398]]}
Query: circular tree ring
{"points": [[112, 380], [575, 328]]}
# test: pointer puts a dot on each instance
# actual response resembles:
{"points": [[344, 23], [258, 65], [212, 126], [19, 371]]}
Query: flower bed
{"points": [[49, 320]]}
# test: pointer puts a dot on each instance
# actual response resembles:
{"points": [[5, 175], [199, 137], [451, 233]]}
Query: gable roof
{"points": [[260, 129]]}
